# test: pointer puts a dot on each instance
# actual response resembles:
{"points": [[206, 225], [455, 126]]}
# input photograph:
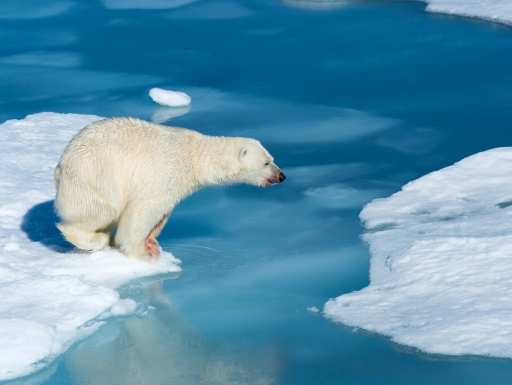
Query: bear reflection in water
{"points": [[128, 174], [163, 348]]}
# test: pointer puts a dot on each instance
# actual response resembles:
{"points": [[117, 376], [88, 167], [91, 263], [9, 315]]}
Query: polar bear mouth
{"points": [[277, 179]]}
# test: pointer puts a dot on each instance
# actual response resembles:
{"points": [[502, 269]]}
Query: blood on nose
{"points": [[282, 177]]}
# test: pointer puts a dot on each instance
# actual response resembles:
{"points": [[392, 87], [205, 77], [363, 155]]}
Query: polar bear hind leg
{"points": [[85, 239], [91, 231]]}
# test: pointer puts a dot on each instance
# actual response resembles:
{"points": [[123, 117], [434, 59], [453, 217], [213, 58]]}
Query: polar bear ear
{"points": [[242, 153]]}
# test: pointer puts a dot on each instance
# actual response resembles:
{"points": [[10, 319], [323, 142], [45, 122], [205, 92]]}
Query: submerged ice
{"points": [[441, 267], [51, 294]]}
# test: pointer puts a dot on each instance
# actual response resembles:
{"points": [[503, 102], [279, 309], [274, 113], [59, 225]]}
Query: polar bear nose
{"points": [[282, 177]]}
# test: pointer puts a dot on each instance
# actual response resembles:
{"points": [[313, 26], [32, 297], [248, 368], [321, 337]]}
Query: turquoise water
{"points": [[353, 101]]}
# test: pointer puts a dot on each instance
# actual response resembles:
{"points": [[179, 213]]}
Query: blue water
{"points": [[352, 100]]}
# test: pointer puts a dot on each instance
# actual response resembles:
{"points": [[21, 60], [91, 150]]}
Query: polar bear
{"points": [[128, 174]]}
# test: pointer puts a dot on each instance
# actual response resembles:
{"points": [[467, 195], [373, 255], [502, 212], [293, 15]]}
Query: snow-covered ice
{"points": [[169, 98], [51, 294], [491, 10], [499, 11], [441, 261]]}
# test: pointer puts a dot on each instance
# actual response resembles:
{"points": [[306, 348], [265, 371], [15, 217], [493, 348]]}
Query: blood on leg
{"points": [[151, 244]]}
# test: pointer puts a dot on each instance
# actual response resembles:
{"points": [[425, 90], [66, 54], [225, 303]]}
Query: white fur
{"points": [[129, 174]]}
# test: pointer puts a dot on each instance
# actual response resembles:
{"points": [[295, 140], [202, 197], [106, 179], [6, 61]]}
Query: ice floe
{"points": [[441, 261], [169, 98], [51, 293], [491, 10]]}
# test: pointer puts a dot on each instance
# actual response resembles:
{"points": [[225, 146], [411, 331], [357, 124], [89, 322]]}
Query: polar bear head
{"points": [[257, 166]]}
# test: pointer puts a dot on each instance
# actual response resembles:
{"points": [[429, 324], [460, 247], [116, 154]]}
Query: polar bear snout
{"points": [[276, 179]]}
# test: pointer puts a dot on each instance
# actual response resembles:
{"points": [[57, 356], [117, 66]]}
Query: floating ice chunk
{"points": [[169, 98], [440, 265], [313, 309], [49, 298]]}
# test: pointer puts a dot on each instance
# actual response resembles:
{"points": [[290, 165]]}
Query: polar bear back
{"points": [[126, 158]]}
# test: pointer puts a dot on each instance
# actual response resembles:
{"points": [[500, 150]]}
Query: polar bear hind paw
{"points": [[90, 241]]}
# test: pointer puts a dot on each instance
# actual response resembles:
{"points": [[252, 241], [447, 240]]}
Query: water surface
{"points": [[353, 100]]}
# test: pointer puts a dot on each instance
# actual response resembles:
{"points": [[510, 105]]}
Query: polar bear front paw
{"points": [[152, 247]]}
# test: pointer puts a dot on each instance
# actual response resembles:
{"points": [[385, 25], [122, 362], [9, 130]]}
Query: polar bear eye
{"points": [[267, 163]]}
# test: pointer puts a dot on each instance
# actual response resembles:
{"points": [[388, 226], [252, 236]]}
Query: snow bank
{"points": [[50, 293], [441, 267], [492, 10], [169, 98]]}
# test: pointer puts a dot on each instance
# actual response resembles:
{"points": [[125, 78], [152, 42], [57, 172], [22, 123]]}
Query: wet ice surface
{"points": [[353, 102], [441, 268]]}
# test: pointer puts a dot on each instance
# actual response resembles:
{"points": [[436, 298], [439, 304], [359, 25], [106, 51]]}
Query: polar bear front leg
{"points": [[139, 225]]}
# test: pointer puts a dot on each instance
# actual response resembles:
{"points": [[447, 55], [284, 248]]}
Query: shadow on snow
{"points": [[39, 225]]}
